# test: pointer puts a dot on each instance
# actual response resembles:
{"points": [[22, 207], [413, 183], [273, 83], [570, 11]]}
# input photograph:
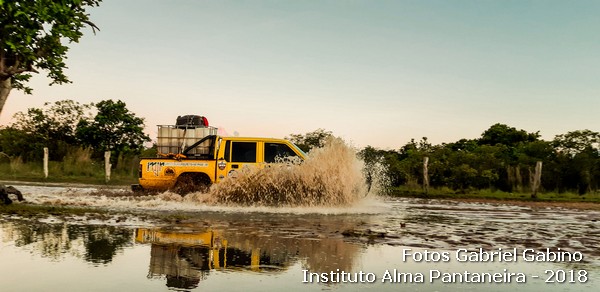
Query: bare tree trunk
{"points": [[536, 179], [5, 87], [425, 175], [519, 179], [510, 175]]}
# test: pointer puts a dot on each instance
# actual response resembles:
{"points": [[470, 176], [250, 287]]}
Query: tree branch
{"points": [[14, 69], [92, 25], [1, 61]]}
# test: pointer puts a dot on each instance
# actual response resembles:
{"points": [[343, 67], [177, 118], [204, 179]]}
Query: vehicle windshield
{"points": [[304, 155]]}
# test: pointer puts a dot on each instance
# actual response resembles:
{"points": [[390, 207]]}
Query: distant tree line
{"points": [[503, 158], [66, 125]]}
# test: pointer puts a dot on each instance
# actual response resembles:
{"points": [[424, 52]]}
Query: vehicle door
{"points": [[236, 156]]}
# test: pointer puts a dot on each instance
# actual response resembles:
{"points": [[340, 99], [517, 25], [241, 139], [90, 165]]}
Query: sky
{"points": [[372, 72]]}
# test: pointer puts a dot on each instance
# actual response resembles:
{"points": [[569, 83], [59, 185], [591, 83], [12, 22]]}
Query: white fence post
{"points": [[45, 162], [107, 165]]}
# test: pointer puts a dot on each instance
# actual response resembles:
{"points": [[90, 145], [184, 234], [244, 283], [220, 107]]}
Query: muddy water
{"points": [[400, 244]]}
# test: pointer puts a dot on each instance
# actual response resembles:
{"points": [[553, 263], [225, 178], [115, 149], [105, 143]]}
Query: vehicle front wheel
{"points": [[189, 183]]}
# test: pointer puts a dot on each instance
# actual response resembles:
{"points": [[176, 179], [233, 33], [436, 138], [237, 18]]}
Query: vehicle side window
{"points": [[275, 151], [243, 151]]}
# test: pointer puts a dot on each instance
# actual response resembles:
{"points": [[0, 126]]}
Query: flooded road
{"points": [[378, 244]]}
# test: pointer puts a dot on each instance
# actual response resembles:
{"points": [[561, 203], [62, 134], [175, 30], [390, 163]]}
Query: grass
{"points": [[76, 167], [488, 194], [26, 210]]}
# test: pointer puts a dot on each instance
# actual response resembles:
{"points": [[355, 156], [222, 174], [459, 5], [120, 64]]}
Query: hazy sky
{"points": [[373, 72]]}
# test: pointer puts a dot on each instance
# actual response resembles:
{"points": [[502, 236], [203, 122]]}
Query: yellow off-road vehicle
{"points": [[206, 160]]}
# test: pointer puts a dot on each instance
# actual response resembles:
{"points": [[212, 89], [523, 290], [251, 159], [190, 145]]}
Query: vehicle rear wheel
{"points": [[189, 183]]}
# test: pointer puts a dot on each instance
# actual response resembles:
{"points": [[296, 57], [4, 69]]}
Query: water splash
{"points": [[330, 176]]}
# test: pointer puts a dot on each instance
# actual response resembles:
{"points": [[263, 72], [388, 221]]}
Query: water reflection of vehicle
{"points": [[187, 258]]}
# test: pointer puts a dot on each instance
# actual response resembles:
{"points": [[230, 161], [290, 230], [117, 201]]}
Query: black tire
{"points": [[189, 183]]}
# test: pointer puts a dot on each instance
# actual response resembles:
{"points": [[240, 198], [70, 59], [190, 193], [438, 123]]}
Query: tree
{"points": [[18, 143], [505, 135], [310, 140], [410, 158], [114, 128], [579, 152], [55, 121], [52, 126], [575, 142], [463, 145], [374, 167], [104, 242], [32, 37]]}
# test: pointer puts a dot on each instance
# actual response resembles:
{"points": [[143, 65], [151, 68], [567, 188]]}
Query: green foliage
{"points": [[375, 169], [310, 140], [502, 159], [576, 142], [34, 35], [78, 162], [53, 126], [114, 128], [150, 152], [69, 170], [65, 126], [505, 135], [19, 143], [571, 162]]}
